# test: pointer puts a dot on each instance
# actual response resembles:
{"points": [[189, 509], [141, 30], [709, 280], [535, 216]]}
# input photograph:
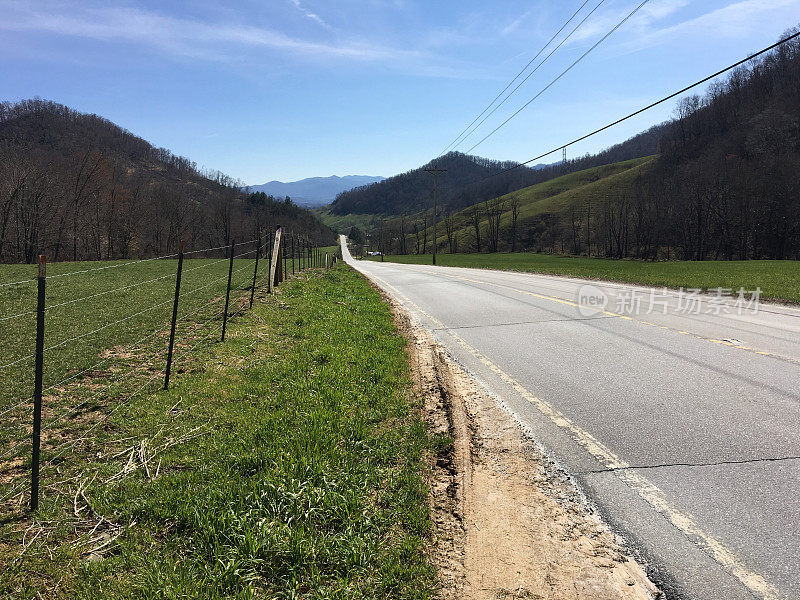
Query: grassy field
{"points": [[598, 185], [284, 463], [343, 223], [101, 322], [778, 279]]}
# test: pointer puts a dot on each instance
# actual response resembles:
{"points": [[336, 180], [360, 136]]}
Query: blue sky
{"points": [[286, 89]]}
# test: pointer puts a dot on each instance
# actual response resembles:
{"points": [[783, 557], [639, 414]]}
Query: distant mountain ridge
{"points": [[315, 191]]}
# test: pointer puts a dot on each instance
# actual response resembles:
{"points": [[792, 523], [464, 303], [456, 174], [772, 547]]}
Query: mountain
{"points": [[76, 186], [471, 179], [314, 191], [412, 191]]}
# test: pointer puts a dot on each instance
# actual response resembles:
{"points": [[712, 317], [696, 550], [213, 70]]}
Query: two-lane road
{"points": [[683, 428]]}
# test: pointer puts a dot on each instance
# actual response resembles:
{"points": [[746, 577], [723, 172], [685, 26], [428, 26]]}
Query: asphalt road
{"points": [[680, 424]]}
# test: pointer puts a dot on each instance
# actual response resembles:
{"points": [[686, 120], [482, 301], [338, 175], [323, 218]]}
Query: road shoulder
{"points": [[507, 522]]}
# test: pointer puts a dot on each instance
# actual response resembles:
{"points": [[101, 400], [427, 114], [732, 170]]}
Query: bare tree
{"points": [[494, 214], [475, 215], [449, 227], [514, 206]]}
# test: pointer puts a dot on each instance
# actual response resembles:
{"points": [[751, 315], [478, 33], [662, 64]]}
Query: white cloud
{"points": [[646, 28], [313, 16], [177, 36], [735, 19]]}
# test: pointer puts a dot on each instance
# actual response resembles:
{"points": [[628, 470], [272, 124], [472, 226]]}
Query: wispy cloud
{"points": [[642, 21], [647, 28], [178, 36], [515, 24], [313, 16], [732, 20]]}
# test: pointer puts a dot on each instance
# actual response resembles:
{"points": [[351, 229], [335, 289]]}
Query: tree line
{"points": [[77, 187]]}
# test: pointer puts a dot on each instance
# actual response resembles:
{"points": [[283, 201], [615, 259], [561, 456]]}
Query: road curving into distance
{"points": [[678, 415]]}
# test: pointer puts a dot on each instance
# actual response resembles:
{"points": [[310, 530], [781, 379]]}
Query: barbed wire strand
{"points": [[29, 356], [65, 445], [132, 262]]}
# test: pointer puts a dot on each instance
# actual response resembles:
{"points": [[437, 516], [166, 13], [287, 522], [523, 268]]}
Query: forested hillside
{"points": [[725, 185], [76, 186], [464, 185]]}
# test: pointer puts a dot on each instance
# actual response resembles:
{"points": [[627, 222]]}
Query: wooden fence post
{"points": [[275, 258]]}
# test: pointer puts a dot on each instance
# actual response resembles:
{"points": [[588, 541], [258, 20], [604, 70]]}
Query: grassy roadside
{"points": [[285, 463], [778, 279]]}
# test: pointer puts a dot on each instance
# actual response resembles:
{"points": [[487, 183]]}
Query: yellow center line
{"points": [[605, 312]]}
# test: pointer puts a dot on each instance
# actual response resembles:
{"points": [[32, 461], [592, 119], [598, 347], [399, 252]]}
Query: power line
{"points": [[654, 104], [637, 112], [564, 72], [510, 83], [546, 58]]}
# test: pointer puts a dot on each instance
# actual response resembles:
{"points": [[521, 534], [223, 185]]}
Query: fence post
{"points": [[275, 260], [37, 386], [228, 293], [174, 316], [255, 270], [284, 272], [269, 258], [293, 237]]}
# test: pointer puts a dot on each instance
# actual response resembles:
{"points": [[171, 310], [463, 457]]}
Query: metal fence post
{"points": [[269, 258], [255, 270], [283, 247], [37, 386], [174, 317], [228, 293], [293, 237]]}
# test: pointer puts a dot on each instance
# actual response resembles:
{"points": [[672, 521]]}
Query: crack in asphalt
{"points": [[519, 323], [699, 464]]}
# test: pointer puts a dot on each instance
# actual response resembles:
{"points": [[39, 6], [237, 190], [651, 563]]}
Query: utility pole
{"points": [[435, 170], [380, 241]]}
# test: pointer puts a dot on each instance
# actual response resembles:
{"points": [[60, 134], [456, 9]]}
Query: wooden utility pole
{"points": [[435, 170], [380, 241]]}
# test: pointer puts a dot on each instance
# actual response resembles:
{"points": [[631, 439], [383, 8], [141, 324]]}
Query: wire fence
{"points": [[74, 354]]}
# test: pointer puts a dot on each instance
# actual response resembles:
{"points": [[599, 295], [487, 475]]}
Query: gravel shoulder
{"points": [[508, 523]]}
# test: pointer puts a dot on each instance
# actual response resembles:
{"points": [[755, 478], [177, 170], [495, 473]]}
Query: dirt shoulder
{"points": [[507, 522]]}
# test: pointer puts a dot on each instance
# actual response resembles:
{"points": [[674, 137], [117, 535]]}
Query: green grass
{"points": [[598, 185], [343, 223], [295, 469], [778, 279], [89, 355]]}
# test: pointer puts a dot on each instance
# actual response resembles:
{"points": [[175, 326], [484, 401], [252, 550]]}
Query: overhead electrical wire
{"points": [[529, 75], [641, 110], [564, 72], [517, 76]]}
